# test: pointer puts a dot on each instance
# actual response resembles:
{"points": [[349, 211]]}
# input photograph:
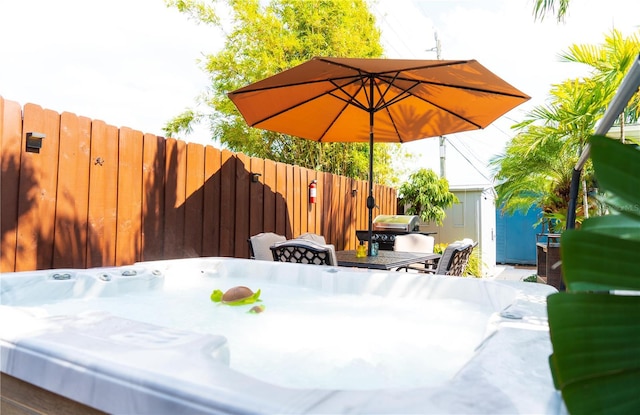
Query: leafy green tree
{"points": [[610, 62], [264, 39], [427, 195], [536, 167], [543, 7]]}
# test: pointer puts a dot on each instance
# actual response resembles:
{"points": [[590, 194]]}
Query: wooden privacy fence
{"points": [[96, 195]]}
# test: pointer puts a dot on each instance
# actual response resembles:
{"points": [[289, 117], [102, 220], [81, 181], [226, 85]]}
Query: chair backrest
{"points": [[460, 260], [455, 258], [303, 251], [259, 245], [313, 237], [414, 242], [445, 259]]}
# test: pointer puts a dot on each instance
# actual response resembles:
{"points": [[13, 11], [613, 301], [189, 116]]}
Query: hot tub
{"points": [[148, 339]]}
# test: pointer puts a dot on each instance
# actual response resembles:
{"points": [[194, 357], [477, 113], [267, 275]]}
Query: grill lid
{"points": [[396, 222]]}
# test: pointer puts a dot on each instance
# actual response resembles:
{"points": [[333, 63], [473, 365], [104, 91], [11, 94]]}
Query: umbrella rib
{"points": [[452, 113], [382, 75], [407, 92], [463, 87], [326, 130], [247, 89], [331, 81], [432, 64], [352, 100], [389, 83], [473, 89], [371, 106], [399, 97]]}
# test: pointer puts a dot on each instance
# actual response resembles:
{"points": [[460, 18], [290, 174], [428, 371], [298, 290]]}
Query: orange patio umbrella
{"points": [[376, 100]]}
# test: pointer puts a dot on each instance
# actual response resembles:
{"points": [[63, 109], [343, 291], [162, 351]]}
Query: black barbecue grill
{"points": [[386, 227]]}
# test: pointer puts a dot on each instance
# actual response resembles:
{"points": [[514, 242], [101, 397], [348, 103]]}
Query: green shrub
{"points": [[474, 266]]}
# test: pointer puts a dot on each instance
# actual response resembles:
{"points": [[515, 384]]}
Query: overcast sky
{"points": [[133, 62]]}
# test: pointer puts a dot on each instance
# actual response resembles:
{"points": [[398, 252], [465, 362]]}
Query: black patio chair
{"points": [[304, 252]]}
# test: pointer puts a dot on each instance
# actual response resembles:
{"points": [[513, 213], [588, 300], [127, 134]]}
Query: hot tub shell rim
{"points": [[317, 400]]}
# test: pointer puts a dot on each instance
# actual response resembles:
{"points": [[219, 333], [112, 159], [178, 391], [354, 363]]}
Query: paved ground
{"points": [[513, 272]]}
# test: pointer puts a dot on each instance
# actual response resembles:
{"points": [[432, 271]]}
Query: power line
{"points": [[469, 161], [464, 144], [390, 26], [501, 130]]}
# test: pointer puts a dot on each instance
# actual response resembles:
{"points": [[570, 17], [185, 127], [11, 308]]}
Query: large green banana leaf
{"points": [[595, 331]]}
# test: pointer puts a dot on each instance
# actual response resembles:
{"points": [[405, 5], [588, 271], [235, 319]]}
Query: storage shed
{"points": [[474, 216]]}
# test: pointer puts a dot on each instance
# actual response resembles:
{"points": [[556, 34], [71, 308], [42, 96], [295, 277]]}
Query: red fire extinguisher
{"points": [[313, 191]]}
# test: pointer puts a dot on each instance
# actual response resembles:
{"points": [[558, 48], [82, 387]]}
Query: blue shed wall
{"points": [[516, 237]]}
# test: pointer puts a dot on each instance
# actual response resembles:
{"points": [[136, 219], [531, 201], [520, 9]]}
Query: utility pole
{"points": [[443, 150], [438, 47], [443, 156]]}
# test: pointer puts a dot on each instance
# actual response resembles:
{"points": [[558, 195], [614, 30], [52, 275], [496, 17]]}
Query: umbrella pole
{"points": [[371, 202]]}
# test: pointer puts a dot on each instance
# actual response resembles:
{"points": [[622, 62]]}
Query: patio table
{"points": [[384, 260]]}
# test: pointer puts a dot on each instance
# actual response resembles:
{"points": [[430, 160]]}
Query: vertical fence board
{"points": [[269, 195], [257, 191], [393, 204], [323, 198], [228, 203], [359, 208], [336, 213], [387, 199], [243, 211], [349, 232], [129, 220], [281, 203], [325, 195], [194, 201], [11, 140], [311, 207], [348, 215], [363, 212], [337, 203], [288, 197], [175, 173], [103, 193], [49, 161], [36, 226], [295, 198], [29, 196], [317, 209], [153, 162], [73, 191], [304, 200], [211, 214], [344, 213]]}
